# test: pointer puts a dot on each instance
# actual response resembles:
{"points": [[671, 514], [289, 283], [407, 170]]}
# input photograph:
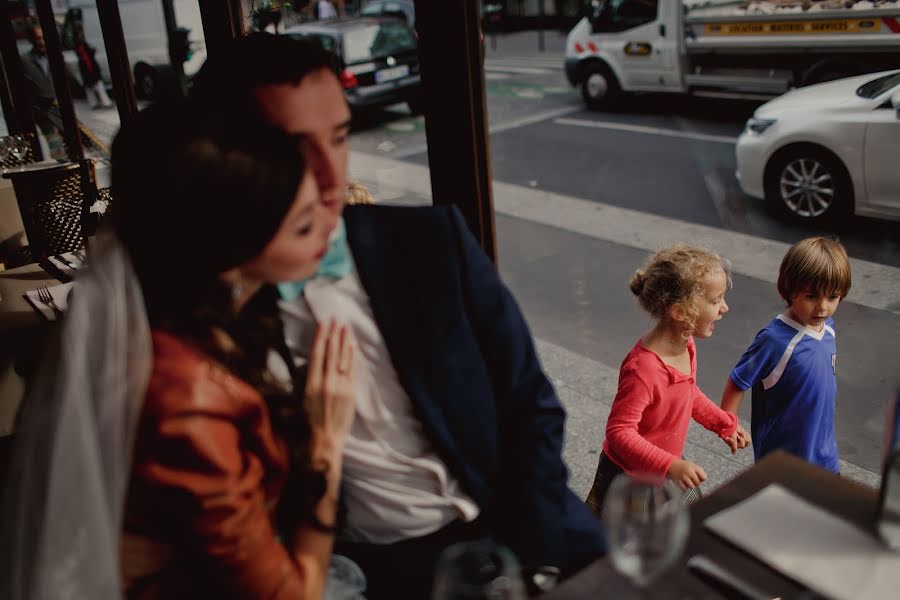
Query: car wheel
{"points": [[599, 87], [146, 82], [808, 184]]}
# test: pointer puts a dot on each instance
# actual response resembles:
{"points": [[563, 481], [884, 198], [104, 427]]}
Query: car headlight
{"points": [[758, 126]]}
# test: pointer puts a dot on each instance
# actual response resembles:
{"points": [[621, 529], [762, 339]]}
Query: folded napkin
{"points": [[808, 544], [60, 294], [67, 263]]}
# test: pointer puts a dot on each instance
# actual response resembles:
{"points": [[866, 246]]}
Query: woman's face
{"points": [[300, 242]]}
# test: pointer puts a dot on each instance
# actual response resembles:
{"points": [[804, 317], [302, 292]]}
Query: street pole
{"points": [[541, 25]]}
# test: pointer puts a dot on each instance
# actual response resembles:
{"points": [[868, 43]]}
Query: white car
{"points": [[827, 150]]}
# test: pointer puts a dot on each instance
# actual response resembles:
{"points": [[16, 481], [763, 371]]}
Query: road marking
{"points": [[530, 120], [875, 285], [518, 70], [703, 137], [555, 64]]}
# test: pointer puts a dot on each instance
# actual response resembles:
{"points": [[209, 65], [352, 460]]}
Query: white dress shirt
{"points": [[395, 485]]}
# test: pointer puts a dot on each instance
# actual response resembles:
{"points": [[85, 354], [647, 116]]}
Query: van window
{"points": [[622, 15]]}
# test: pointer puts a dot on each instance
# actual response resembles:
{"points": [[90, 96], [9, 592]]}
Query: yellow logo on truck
{"points": [[794, 27]]}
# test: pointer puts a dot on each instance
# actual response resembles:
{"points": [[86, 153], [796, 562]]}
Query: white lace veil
{"points": [[64, 493]]}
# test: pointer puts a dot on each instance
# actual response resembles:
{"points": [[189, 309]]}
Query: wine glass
{"points": [[479, 570], [19, 147], [647, 526]]}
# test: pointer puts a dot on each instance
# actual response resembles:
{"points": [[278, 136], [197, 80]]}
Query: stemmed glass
{"points": [[647, 526], [480, 570], [18, 145]]}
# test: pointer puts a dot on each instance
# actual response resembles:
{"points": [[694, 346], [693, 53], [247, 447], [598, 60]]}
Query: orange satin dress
{"points": [[207, 473]]}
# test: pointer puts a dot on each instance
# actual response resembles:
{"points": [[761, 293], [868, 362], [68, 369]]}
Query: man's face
{"points": [[37, 41], [315, 108]]}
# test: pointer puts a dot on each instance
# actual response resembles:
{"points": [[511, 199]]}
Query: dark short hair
{"points": [[253, 61], [197, 194], [818, 264]]}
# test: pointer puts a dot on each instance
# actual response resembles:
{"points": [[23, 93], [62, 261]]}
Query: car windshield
{"points": [[377, 40], [876, 87]]}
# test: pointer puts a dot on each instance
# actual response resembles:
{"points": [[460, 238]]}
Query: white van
{"points": [[146, 39]]}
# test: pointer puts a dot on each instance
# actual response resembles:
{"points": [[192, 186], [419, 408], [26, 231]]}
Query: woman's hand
{"points": [[330, 389], [686, 474]]}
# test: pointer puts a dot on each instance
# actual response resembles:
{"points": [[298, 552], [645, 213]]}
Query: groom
{"points": [[458, 433]]}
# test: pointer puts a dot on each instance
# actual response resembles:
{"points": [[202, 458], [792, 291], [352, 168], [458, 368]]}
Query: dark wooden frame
{"points": [[450, 51], [60, 79]]}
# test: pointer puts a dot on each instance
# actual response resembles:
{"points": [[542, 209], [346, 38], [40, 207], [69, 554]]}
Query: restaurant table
{"points": [[22, 334], [849, 500]]}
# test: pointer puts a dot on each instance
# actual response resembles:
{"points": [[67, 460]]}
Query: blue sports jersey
{"points": [[791, 369]]}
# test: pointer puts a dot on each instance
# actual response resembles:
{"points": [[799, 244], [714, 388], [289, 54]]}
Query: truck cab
{"points": [[626, 46]]}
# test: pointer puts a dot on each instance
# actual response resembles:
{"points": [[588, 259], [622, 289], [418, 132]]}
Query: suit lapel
{"points": [[386, 270]]}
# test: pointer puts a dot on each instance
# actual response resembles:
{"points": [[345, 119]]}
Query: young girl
{"points": [[683, 288]]}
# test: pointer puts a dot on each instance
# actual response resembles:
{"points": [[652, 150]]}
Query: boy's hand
{"points": [[738, 440], [686, 474]]}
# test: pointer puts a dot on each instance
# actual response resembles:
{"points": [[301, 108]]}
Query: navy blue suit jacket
{"points": [[465, 356]]}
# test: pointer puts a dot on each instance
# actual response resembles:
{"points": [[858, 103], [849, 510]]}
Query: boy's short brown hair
{"points": [[815, 263]]}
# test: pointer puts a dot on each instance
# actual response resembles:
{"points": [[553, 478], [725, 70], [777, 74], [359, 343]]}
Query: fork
{"points": [[46, 298]]}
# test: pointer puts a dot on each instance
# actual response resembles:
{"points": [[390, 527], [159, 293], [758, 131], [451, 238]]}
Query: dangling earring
{"points": [[236, 288]]}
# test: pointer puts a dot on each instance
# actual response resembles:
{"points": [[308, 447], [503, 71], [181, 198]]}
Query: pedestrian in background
{"points": [[91, 77], [683, 288], [42, 94], [791, 363], [325, 10]]}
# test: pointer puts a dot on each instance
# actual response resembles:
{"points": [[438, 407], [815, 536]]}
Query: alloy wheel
{"points": [[807, 187]]}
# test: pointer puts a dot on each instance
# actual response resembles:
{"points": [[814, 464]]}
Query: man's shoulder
{"points": [[408, 221]]}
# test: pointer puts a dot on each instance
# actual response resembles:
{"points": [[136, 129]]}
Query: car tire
{"points": [[599, 86], [808, 184], [146, 82]]}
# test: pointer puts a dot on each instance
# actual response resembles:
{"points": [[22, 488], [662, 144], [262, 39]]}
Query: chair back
{"points": [[55, 206]]}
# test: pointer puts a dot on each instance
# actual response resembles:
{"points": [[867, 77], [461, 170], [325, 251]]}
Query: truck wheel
{"points": [[599, 87], [146, 82], [808, 184]]}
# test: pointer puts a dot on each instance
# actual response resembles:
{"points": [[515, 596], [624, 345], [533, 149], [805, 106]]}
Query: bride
{"points": [[168, 447]]}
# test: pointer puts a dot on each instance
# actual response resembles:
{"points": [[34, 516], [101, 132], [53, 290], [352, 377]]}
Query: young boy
{"points": [[791, 363]]}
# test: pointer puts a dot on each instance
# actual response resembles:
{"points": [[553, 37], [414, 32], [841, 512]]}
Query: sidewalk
{"points": [[523, 44]]}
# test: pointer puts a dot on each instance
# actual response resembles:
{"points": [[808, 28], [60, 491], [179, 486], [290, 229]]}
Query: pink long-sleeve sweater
{"points": [[649, 420]]}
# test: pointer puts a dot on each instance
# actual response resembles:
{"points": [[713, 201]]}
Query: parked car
{"points": [[824, 151], [378, 59]]}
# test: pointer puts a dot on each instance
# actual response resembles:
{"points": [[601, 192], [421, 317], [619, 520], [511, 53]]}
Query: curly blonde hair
{"points": [[675, 276], [357, 193]]}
